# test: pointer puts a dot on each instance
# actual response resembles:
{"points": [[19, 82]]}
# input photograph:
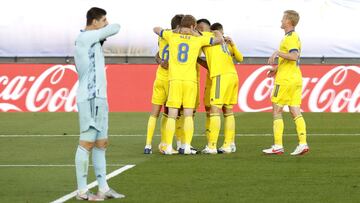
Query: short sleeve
{"points": [[206, 40], [165, 34]]}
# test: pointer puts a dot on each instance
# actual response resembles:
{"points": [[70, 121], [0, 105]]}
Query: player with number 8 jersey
{"points": [[184, 48], [160, 89]]}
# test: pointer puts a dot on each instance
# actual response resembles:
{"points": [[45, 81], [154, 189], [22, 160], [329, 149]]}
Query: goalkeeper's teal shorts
{"points": [[93, 119]]}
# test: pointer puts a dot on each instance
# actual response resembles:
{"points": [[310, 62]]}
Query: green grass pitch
{"points": [[329, 173]]}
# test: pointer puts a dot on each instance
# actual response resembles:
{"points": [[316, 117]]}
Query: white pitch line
{"points": [[93, 184], [49, 165], [196, 135], [21, 136]]}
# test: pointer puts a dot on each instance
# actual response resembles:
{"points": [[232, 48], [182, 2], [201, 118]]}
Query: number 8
{"points": [[183, 53]]}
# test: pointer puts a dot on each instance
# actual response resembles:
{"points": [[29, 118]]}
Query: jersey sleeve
{"points": [[95, 36], [236, 53], [108, 31], [166, 34], [206, 40]]}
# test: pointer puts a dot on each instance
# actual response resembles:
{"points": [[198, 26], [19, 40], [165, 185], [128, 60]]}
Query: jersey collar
{"points": [[290, 32]]}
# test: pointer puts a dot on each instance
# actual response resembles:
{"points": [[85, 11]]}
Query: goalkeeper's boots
{"points": [[110, 194], [88, 196]]}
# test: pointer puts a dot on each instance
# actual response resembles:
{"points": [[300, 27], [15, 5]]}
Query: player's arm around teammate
{"points": [[234, 51], [223, 92]]}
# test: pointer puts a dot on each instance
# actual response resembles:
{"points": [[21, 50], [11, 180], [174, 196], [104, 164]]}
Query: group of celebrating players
{"points": [[176, 86]]}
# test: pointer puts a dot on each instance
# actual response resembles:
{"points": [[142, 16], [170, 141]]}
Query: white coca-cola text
{"points": [[41, 95], [329, 92]]}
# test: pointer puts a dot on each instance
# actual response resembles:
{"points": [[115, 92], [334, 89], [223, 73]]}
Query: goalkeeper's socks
{"points": [[81, 165], [188, 129], [150, 129], [214, 129], [229, 129], [99, 161], [278, 128], [301, 129]]}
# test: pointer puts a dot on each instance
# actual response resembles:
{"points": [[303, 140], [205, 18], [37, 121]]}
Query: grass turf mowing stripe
{"points": [[93, 184], [197, 135]]}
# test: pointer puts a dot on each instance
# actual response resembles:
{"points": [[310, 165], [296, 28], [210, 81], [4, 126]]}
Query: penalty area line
{"points": [[93, 184]]}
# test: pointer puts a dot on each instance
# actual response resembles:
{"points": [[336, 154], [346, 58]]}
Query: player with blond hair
{"points": [[288, 85]]}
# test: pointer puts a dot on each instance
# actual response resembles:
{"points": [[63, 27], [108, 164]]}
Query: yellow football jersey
{"points": [[161, 72], [220, 59], [289, 71], [184, 51], [198, 66], [209, 34]]}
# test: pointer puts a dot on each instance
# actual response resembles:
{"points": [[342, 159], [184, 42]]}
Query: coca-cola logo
{"points": [[38, 91], [335, 91]]}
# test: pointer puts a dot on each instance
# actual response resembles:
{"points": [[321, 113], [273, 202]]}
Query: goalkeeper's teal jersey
{"points": [[90, 62]]}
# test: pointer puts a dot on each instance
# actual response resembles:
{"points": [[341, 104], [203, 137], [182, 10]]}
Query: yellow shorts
{"points": [[182, 93], [160, 92], [286, 95], [207, 92], [224, 90]]}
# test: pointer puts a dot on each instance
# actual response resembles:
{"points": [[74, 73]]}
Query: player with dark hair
{"points": [[92, 104], [160, 89]]}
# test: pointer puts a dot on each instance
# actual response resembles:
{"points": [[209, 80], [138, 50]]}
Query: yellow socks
{"points": [[169, 131], [300, 129], [162, 128], [188, 129], [150, 129], [179, 132], [229, 129], [207, 126], [278, 128], [214, 129]]}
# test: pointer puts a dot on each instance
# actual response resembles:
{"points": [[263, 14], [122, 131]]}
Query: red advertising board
{"points": [[52, 88]]}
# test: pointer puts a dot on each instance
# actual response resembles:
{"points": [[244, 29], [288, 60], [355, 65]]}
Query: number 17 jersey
{"points": [[184, 51]]}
